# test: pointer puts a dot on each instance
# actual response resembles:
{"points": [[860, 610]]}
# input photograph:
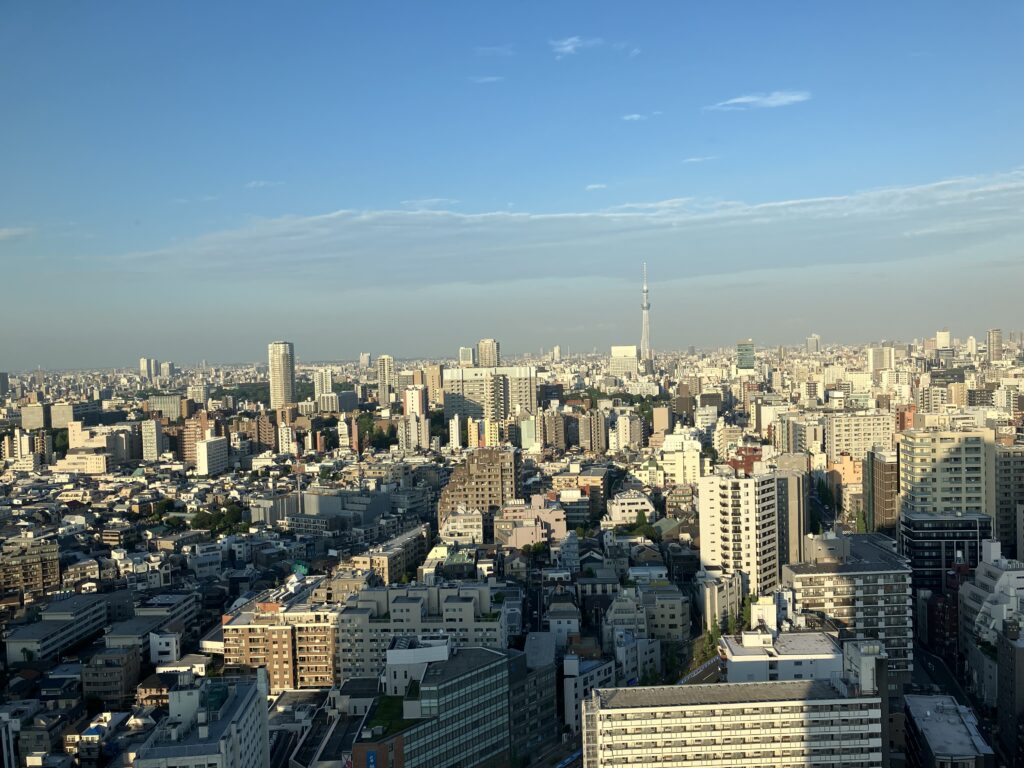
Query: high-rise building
{"points": [[1009, 498], [5, 383], [386, 379], [943, 339], [488, 353], [490, 393], [624, 361], [364, 360], [489, 479], [857, 433], [781, 723], [880, 358], [152, 439], [467, 357], [945, 472], [645, 331], [323, 382], [745, 359], [881, 484], [813, 344], [995, 344], [1010, 704], [281, 355], [594, 431], [211, 456], [863, 586], [739, 527], [936, 542], [433, 377]]}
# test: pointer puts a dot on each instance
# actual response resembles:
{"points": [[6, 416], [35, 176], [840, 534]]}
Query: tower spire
{"points": [[645, 333]]}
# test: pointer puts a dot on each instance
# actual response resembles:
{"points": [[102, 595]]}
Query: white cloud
{"points": [[486, 79], [428, 243], [761, 101], [700, 158], [634, 118], [594, 187], [11, 233], [262, 184], [495, 50], [567, 46], [634, 53]]}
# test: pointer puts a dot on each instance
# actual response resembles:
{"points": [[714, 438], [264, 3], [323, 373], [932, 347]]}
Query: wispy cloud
{"points": [[634, 117], [429, 203], [634, 52], [506, 49], [485, 79], [700, 158], [262, 184], [594, 187], [12, 233], [567, 46], [427, 242], [761, 101]]}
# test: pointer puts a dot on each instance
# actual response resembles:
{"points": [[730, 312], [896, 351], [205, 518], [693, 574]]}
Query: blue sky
{"points": [[191, 180]]}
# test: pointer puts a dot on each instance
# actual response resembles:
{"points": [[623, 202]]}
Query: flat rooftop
{"points": [[786, 644], [458, 664], [869, 553], [950, 730], [717, 693]]}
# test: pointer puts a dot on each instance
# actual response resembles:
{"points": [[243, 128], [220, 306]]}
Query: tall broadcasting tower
{"points": [[645, 335]]}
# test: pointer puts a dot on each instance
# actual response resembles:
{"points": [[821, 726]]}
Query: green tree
{"points": [[734, 624], [641, 519]]}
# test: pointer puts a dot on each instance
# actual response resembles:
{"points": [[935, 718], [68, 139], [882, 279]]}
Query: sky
{"points": [[192, 180]]}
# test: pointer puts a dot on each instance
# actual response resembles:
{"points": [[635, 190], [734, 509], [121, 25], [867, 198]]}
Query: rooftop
{"points": [[791, 644], [463, 662], [950, 730], [717, 693]]}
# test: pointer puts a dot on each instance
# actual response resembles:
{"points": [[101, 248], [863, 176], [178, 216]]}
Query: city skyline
{"points": [[553, 153]]}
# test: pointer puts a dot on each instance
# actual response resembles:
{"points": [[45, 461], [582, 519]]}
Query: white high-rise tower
{"points": [[281, 359], [645, 335]]}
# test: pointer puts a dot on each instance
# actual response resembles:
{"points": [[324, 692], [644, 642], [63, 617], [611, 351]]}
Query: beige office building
{"points": [[944, 472]]}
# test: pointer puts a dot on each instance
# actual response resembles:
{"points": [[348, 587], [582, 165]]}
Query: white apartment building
{"points": [[739, 527], [211, 456], [797, 723], [281, 360], [464, 611], [857, 433], [214, 724], [624, 508], [762, 656]]}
